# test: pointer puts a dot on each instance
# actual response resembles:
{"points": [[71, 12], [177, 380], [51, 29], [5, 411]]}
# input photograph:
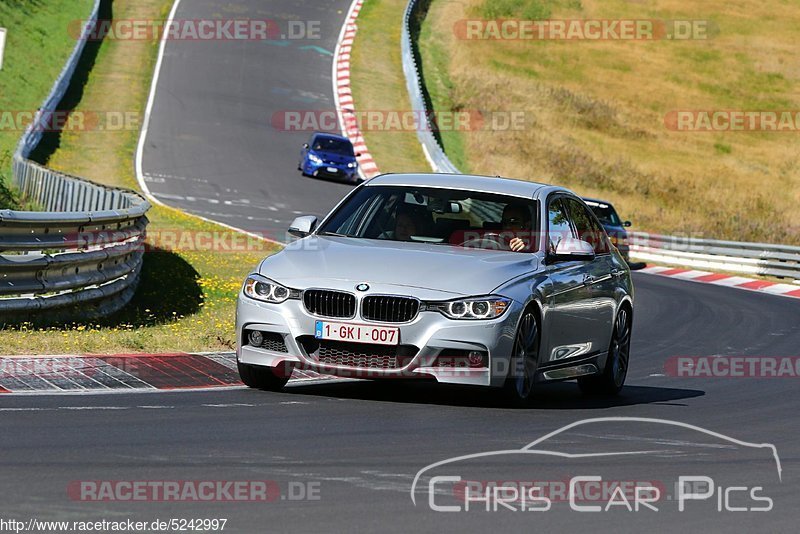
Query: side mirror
{"points": [[571, 249], [305, 145], [626, 224], [302, 226]]}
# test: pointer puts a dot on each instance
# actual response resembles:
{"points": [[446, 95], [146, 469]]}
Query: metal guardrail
{"points": [[751, 258], [430, 145], [81, 257]]}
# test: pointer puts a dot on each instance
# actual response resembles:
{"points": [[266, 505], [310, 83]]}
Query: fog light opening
{"points": [[475, 359], [255, 338], [472, 359]]}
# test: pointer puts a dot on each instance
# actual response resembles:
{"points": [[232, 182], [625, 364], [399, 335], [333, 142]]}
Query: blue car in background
{"points": [[614, 226], [329, 156]]}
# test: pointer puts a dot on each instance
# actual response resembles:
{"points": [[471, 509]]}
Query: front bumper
{"points": [[322, 170], [429, 336]]}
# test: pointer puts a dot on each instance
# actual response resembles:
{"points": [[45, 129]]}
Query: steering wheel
{"points": [[489, 240]]}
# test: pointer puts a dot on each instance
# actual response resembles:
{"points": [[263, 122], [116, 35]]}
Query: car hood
{"points": [[340, 262], [329, 157]]}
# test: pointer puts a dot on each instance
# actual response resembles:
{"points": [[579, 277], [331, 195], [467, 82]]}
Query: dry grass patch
{"points": [[595, 111]]}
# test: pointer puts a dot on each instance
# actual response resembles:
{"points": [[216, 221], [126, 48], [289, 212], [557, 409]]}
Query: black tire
{"points": [[524, 361], [612, 379], [262, 377]]}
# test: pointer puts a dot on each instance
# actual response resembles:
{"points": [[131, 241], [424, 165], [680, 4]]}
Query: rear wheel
{"points": [[263, 377], [524, 361], [612, 379]]}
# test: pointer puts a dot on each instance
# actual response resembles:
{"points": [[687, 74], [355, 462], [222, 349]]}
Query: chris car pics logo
{"points": [[626, 483]]}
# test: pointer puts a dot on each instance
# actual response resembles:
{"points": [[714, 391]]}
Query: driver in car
{"points": [[516, 225], [406, 224]]}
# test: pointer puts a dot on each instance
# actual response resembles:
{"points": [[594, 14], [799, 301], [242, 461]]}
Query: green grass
{"points": [[186, 297], [524, 9], [722, 148], [38, 42], [444, 94], [379, 85]]}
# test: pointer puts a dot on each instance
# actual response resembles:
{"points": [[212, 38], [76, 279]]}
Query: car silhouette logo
{"points": [[362, 287], [539, 447]]}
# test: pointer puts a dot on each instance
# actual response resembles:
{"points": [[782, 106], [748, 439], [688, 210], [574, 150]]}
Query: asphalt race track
{"points": [[359, 444], [342, 456], [212, 147]]}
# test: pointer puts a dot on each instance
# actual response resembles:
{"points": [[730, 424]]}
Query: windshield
{"points": [[606, 214], [437, 216], [333, 145]]}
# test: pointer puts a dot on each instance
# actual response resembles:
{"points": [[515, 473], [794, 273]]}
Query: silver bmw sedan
{"points": [[456, 278]]}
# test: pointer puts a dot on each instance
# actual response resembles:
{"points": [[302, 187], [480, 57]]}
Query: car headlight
{"points": [[315, 159], [472, 308], [260, 288], [351, 165]]}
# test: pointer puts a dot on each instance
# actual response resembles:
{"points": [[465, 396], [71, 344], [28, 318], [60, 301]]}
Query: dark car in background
{"points": [[328, 155], [614, 226]]}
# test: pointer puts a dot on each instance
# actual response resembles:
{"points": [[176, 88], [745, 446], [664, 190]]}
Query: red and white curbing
{"points": [[120, 373], [343, 95], [720, 279]]}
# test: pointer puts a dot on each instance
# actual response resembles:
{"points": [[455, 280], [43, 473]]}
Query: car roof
{"points": [[317, 135], [591, 201], [471, 182]]}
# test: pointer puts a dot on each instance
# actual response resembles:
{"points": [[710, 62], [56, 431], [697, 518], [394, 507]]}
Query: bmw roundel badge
{"points": [[362, 287]]}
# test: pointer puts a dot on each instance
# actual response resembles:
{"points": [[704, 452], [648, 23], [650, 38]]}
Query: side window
{"points": [[558, 226], [588, 228]]}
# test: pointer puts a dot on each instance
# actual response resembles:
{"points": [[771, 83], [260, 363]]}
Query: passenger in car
{"points": [[516, 225]]}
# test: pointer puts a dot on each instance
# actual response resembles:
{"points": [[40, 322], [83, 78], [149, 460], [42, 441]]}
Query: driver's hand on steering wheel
{"points": [[516, 244]]}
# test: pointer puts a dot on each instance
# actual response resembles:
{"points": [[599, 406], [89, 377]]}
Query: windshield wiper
{"points": [[334, 234]]}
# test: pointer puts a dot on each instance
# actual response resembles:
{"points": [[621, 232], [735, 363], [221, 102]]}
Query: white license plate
{"points": [[333, 169], [358, 333]]}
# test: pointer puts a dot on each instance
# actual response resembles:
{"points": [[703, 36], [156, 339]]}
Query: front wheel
{"points": [[524, 361], [612, 379], [262, 377]]}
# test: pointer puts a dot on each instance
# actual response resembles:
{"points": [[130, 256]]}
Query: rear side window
{"points": [[558, 226], [586, 226]]}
